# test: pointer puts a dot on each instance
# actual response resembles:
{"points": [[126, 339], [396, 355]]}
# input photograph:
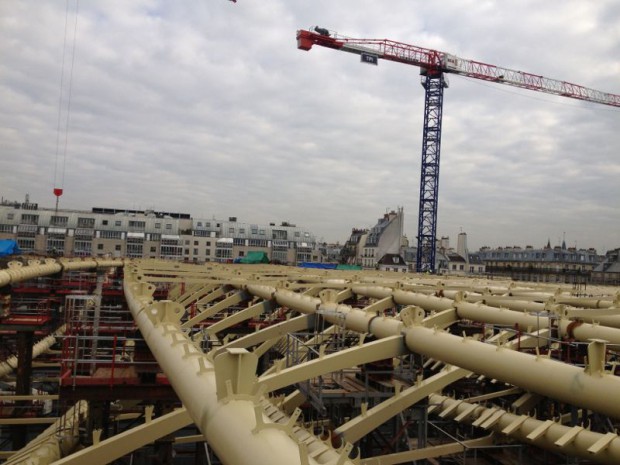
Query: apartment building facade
{"points": [[548, 264], [150, 234]]}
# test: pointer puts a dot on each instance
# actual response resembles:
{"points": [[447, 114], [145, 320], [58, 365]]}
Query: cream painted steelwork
{"points": [[246, 387], [39, 348]]}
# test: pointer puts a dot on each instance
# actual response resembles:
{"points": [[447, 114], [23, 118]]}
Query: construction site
{"points": [[134, 361], [152, 361]]}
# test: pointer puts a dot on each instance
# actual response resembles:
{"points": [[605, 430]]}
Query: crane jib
{"points": [[449, 63]]}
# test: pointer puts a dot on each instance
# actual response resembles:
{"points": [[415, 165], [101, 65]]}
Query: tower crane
{"points": [[433, 66]]}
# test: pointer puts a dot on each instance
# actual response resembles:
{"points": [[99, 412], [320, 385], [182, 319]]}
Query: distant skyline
{"points": [[209, 108], [452, 237]]}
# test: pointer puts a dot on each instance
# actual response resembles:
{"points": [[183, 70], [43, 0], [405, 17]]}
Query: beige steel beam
{"points": [[358, 427], [221, 397], [39, 348], [425, 453], [609, 316], [254, 311], [32, 397], [55, 442], [28, 421], [572, 441], [123, 443], [500, 316], [208, 312], [510, 303], [427, 302], [464, 310], [299, 323], [196, 291], [302, 351], [587, 302], [588, 389], [17, 272], [363, 424], [386, 348], [581, 331], [211, 296]]}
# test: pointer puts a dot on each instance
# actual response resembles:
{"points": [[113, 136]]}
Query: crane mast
{"points": [[433, 65]]}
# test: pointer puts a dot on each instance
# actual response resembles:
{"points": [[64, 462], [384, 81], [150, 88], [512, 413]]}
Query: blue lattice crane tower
{"points": [[434, 65]]}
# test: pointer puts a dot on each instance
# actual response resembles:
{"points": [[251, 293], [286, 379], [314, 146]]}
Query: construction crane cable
{"points": [[58, 186], [62, 79]]}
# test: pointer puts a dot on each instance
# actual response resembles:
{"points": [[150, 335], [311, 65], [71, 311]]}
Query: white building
{"points": [[150, 234]]}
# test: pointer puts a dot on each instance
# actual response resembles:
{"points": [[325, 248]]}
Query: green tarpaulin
{"points": [[255, 257], [348, 267]]}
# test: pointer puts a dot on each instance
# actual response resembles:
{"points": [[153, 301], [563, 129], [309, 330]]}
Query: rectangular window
{"points": [[104, 222], [86, 223], [195, 242], [280, 234], [279, 256], [171, 250], [199, 224], [168, 225], [242, 231], [27, 230], [99, 246], [111, 234], [59, 220], [136, 224], [10, 216], [84, 233], [231, 230], [134, 249], [223, 253], [117, 247], [195, 251], [157, 225], [55, 245], [118, 223], [27, 245], [82, 248], [153, 249], [28, 218]]}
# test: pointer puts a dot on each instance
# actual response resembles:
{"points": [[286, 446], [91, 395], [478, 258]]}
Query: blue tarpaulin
{"points": [[8, 247], [322, 266]]}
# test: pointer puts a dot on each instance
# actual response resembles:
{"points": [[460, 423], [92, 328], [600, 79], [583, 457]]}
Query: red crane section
{"points": [[370, 49]]}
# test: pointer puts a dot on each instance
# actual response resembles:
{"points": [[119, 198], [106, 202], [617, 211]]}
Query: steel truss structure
{"points": [[434, 84], [275, 364]]}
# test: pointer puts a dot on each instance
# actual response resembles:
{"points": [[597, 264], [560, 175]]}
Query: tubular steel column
{"points": [[433, 83]]}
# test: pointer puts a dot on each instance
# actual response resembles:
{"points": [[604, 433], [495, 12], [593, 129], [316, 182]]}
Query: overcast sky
{"points": [[207, 107]]}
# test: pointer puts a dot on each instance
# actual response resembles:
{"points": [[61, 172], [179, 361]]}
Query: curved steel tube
{"points": [[235, 424]]}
